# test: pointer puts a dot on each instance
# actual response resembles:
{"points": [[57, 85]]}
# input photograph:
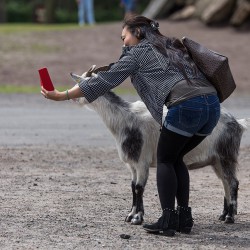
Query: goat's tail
{"points": [[245, 122]]}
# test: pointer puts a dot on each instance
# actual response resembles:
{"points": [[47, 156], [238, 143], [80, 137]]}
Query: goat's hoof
{"points": [[229, 220], [136, 220], [222, 217], [128, 218]]}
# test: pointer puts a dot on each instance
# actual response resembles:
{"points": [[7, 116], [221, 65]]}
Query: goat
{"points": [[136, 134]]}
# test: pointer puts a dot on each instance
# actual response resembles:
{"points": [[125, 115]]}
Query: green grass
{"points": [[10, 89], [13, 89], [30, 48], [8, 28], [30, 27]]}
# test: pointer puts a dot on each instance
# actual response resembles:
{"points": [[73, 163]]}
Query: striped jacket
{"points": [[151, 75]]}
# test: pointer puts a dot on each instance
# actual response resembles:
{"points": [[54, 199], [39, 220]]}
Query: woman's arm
{"points": [[56, 95], [93, 87]]}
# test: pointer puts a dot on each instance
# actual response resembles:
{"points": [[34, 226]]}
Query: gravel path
{"points": [[62, 185]]}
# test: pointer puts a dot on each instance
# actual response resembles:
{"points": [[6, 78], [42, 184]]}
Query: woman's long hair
{"points": [[143, 27]]}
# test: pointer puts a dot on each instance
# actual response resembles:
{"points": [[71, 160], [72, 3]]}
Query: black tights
{"points": [[172, 173]]}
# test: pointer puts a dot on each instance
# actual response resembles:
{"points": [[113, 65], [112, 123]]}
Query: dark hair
{"points": [[143, 27]]}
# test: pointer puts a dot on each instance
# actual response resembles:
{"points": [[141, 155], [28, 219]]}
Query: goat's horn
{"points": [[90, 71]]}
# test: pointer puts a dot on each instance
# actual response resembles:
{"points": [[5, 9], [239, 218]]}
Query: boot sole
{"points": [[169, 232], [153, 231], [185, 230]]}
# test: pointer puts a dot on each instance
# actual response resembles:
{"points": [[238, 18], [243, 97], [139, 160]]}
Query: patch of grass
{"points": [[30, 48], [13, 89], [30, 27]]}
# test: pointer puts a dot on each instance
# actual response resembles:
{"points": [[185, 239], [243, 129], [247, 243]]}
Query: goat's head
{"points": [[78, 79], [90, 73]]}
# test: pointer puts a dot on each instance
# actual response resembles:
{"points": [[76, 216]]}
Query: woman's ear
{"points": [[138, 33]]}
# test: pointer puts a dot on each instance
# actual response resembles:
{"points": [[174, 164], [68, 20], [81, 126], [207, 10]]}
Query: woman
{"points": [[162, 73]]}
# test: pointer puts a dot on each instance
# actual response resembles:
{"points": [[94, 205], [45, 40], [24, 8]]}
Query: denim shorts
{"points": [[195, 116]]}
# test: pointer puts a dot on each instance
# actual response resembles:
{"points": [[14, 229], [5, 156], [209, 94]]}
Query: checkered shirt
{"points": [[150, 72]]}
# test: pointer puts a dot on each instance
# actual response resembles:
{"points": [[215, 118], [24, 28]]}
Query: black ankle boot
{"points": [[167, 224], [186, 221]]}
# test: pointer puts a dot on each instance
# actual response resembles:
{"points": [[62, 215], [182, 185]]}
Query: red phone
{"points": [[45, 80]]}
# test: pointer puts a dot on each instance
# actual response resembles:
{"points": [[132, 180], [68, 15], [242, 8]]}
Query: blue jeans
{"points": [[195, 116], [129, 5], [86, 7]]}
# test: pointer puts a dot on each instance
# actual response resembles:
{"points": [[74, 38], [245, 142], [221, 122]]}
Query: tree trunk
{"points": [[158, 8], [2, 11], [50, 6]]}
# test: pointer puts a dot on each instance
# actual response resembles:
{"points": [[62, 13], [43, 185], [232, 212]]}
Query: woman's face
{"points": [[128, 38]]}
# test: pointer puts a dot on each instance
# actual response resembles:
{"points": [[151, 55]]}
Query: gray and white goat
{"points": [[136, 134]]}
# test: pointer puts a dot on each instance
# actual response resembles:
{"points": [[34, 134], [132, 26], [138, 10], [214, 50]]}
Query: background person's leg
{"points": [[81, 10], [89, 6]]}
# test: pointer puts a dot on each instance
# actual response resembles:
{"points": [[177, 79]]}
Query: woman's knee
{"points": [[170, 146]]}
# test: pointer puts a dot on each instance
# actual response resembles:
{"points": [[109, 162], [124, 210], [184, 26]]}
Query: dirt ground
{"points": [[62, 184]]}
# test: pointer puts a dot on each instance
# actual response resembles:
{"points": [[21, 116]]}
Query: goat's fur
{"points": [[136, 134]]}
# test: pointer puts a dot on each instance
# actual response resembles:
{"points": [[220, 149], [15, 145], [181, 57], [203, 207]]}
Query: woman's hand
{"points": [[54, 95]]}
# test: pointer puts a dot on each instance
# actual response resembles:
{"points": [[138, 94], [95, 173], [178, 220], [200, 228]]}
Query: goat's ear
{"points": [[102, 68], [76, 78], [89, 72], [92, 68]]}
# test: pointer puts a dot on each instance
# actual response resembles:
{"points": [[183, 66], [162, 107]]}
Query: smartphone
{"points": [[45, 79]]}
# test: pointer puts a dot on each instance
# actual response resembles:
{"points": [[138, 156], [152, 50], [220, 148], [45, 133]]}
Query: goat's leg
{"points": [[142, 171], [232, 185], [137, 212], [139, 208], [227, 173], [133, 184], [133, 209], [225, 210], [227, 147], [230, 201]]}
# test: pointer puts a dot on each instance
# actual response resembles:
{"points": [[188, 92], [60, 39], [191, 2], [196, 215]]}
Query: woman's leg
{"points": [[184, 211], [182, 173], [170, 146], [172, 173]]}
